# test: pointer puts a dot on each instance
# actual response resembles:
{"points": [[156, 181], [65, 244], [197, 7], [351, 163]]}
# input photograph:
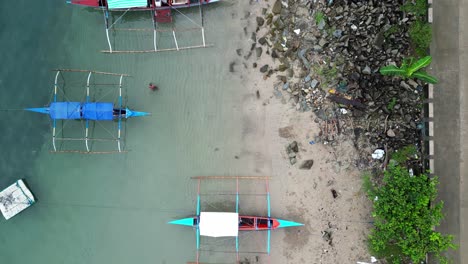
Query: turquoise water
{"points": [[114, 208]]}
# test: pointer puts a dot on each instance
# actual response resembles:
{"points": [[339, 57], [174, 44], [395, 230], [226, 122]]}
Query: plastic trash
{"points": [[378, 154], [311, 142]]}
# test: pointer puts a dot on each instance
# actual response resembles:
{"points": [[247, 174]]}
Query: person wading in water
{"points": [[153, 87]]}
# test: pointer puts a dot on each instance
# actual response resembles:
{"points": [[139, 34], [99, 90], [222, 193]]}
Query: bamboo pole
{"points": [[88, 71], [158, 30], [159, 50], [91, 152]]}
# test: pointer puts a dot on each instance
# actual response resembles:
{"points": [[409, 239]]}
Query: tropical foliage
{"points": [[411, 69], [404, 216]]}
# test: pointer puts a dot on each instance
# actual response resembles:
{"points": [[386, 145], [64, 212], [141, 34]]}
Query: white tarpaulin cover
{"points": [[15, 199], [216, 224]]}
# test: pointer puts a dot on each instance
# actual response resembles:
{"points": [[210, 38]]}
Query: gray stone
{"points": [[337, 33], [322, 42], [285, 86], [412, 83], [258, 51], [306, 164], [366, 70], [294, 146], [307, 78], [391, 133], [264, 68], [403, 84], [260, 21], [292, 155], [292, 161], [262, 41], [276, 9], [314, 83], [321, 24]]}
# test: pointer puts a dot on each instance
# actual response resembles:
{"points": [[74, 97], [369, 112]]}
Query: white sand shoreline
{"points": [[301, 195]]}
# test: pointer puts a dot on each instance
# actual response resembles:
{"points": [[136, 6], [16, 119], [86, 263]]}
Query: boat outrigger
{"points": [[161, 12], [229, 224], [87, 111]]}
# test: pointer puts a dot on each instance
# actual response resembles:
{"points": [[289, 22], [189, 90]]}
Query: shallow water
{"points": [[114, 208]]}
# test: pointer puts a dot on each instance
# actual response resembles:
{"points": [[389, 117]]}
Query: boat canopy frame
{"points": [[199, 212], [158, 15], [59, 125]]}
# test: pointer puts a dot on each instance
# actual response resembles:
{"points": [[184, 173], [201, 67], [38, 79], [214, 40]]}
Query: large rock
{"points": [[260, 21], [276, 7]]}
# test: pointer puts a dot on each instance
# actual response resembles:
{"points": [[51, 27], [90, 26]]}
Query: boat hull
{"points": [[102, 5], [246, 223]]}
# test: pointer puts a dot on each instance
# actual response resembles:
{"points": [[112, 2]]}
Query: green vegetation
{"points": [[391, 104], [319, 17], [420, 30], [411, 69], [404, 154], [417, 7], [327, 74], [421, 37], [404, 214]]}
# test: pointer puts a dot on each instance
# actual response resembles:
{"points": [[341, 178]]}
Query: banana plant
{"points": [[410, 69]]}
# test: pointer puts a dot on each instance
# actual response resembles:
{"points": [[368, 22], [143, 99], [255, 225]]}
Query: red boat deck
{"points": [[163, 16]]}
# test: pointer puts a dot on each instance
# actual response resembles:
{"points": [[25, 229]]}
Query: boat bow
{"points": [[131, 113], [285, 223]]}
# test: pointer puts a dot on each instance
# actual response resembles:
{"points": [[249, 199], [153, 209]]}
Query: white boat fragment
{"points": [[15, 199]]}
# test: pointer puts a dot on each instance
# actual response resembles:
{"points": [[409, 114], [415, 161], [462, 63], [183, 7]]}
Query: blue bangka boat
{"points": [[87, 111]]}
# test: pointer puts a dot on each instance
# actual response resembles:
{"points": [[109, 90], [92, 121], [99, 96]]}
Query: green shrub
{"points": [[417, 7], [421, 37], [411, 69], [404, 214]]}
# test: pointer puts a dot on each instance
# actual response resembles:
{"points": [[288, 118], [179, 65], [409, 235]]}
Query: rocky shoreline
{"points": [[327, 57]]}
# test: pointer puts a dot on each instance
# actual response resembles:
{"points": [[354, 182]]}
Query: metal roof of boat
{"points": [[111, 4], [217, 224]]}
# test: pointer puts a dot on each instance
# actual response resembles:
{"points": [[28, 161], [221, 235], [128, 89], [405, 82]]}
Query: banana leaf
{"points": [[424, 76], [392, 70], [421, 63]]}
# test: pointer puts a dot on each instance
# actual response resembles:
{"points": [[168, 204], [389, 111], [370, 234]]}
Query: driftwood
{"points": [[348, 102]]}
